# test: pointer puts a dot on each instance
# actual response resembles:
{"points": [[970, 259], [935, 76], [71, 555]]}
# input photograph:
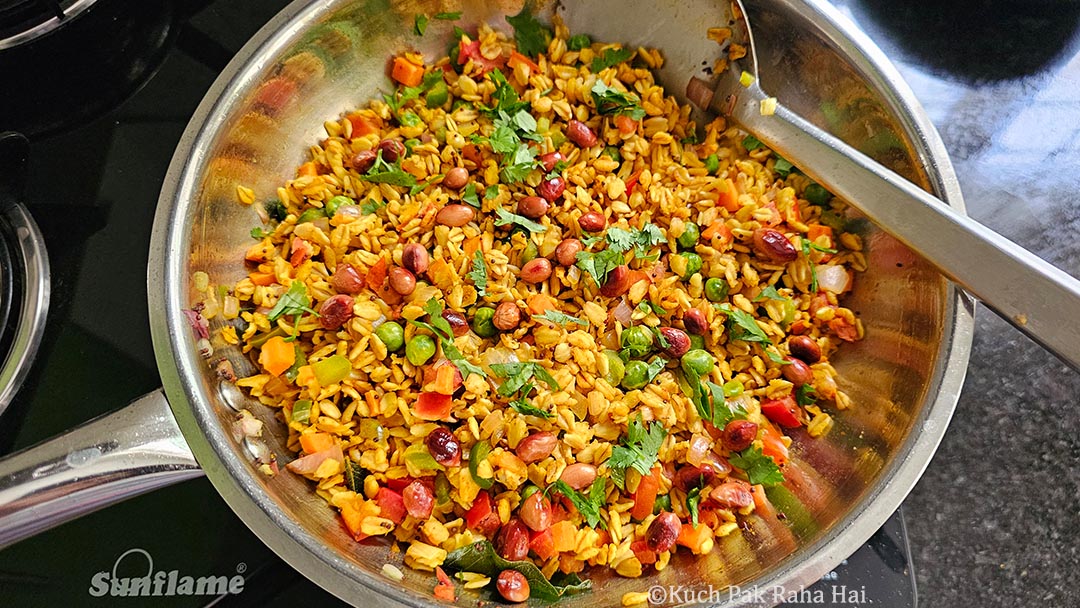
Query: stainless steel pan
{"points": [[315, 60]]}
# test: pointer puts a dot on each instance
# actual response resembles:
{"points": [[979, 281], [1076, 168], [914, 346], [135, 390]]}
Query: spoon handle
{"points": [[1037, 298]]}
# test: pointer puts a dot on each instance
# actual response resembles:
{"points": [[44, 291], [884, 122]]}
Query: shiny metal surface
{"points": [[134, 450], [29, 250], [904, 378], [1036, 297], [71, 9]]}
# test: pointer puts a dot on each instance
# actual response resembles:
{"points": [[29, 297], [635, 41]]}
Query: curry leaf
{"points": [[505, 218], [560, 318], [481, 557]]}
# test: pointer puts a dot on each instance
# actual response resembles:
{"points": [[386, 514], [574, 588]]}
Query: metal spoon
{"points": [[1039, 299]]}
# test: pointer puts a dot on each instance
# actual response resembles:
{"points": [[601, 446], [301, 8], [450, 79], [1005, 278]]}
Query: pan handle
{"points": [[109, 459]]}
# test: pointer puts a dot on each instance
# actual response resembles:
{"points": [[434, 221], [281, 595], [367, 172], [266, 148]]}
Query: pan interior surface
{"points": [[315, 61]]}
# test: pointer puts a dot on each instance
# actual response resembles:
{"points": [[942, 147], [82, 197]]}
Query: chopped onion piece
{"points": [[835, 279]]}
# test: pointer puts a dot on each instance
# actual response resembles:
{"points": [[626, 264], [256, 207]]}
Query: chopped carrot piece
{"points": [[817, 230], [316, 442], [540, 303], [772, 444], [376, 275], [305, 375], [762, 505], [699, 540], [729, 198], [645, 496], [362, 125], [562, 536], [517, 58], [263, 278], [407, 72], [352, 518], [625, 124], [277, 355], [470, 246]]}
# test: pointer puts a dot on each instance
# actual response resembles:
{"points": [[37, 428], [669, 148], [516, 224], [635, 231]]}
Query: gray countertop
{"points": [[995, 520]]}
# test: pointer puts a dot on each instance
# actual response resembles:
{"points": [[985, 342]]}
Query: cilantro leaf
{"points": [[478, 274], [559, 167], [578, 42], [448, 16], [479, 451], [518, 167], [418, 188], [806, 395], [522, 406], [599, 264], [783, 166], [524, 121], [656, 366], [469, 195], [371, 207], [589, 506], [505, 218], [275, 209], [506, 97], [775, 357], [640, 450], [420, 24], [742, 326], [439, 326], [518, 375], [640, 240], [760, 469], [751, 143], [722, 411], [491, 192], [293, 302], [693, 499], [259, 233], [531, 36], [383, 172], [611, 57], [646, 306], [503, 139], [560, 318], [612, 101], [769, 293]]}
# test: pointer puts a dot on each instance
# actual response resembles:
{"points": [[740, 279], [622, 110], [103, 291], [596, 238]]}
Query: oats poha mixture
{"points": [[525, 317]]}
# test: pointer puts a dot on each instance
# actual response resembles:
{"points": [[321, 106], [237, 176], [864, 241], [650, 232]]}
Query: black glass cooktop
{"points": [[93, 188]]}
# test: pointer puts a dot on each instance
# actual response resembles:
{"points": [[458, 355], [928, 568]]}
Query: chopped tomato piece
{"points": [[301, 251], [644, 554], [844, 330], [471, 51], [630, 183], [391, 505], [398, 484], [433, 406], [783, 411], [481, 517], [542, 544]]}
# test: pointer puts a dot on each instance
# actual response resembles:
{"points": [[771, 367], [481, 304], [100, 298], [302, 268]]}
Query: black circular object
{"points": [[79, 65]]}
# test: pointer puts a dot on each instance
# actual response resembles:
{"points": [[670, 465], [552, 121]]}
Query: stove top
{"points": [[92, 188]]}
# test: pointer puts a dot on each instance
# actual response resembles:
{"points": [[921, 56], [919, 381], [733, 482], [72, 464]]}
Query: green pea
{"points": [[716, 289], [616, 368], [437, 95], [613, 153], [482, 324], [693, 264], [529, 253], [637, 375], [310, 215], [636, 341], [663, 503], [419, 349], [529, 490], [816, 194], [733, 388], [698, 362], [333, 204], [392, 335], [712, 164], [697, 341], [689, 238]]}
